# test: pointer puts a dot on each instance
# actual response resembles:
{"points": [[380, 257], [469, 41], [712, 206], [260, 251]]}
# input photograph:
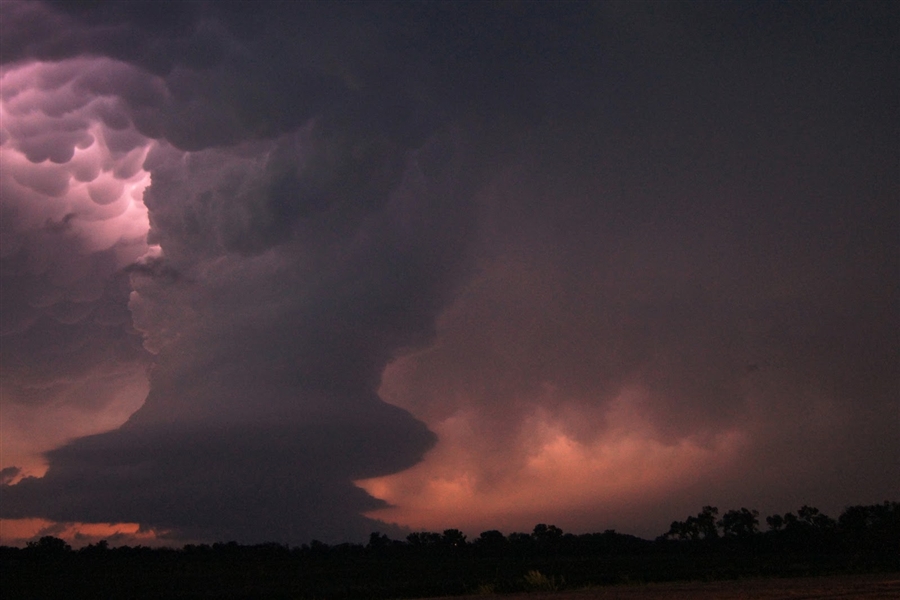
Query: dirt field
{"points": [[846, 587]]}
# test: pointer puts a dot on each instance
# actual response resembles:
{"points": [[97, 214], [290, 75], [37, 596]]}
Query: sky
{"points": [[283, 271]]}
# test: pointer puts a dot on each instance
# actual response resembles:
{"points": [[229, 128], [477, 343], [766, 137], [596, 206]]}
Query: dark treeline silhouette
{"points": [[705, 546]]}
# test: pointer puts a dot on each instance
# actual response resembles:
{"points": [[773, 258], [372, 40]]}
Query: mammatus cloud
{"points": [[277, 299], [605, 264], [271, 329], [289, 270], [73, 220]]}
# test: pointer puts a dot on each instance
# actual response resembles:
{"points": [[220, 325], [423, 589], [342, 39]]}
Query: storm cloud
{"points": [[275, 271]]}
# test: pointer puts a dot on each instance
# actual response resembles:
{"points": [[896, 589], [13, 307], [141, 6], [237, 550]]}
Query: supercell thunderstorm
{"points": [[274, 271]]}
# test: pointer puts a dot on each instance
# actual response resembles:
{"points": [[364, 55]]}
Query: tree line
{"points": [[875, 527], [707, 545]]}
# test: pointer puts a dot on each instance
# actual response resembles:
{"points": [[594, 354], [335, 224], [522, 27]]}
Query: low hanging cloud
{"points": [[277, 271]]}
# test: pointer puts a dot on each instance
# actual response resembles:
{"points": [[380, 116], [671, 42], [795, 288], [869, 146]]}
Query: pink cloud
{"points": [[74, 218]]}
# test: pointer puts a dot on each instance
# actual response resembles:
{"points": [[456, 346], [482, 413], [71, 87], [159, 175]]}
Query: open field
{"points": [[882, 586]]}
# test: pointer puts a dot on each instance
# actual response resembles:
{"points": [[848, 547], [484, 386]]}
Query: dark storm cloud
{"points": [[715, 247], [312, 231], [8, 474], [248, 481], [269, 349], [670, 220]]}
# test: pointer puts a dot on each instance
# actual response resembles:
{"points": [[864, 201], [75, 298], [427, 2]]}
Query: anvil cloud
{"points": [[277, 271]]}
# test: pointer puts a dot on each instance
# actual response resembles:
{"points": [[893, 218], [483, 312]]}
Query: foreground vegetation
{"points": [[864, 539]]}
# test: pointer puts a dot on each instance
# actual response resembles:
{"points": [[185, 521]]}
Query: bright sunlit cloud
{"points": [[74, 219]]}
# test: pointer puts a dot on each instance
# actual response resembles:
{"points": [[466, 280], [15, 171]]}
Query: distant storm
{"points": [[281, 271]]}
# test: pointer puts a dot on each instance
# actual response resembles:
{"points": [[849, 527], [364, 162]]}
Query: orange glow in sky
{"points": [[550, 473], [17, 532]]}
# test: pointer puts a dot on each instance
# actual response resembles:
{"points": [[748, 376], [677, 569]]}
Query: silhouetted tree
{"points": [[317, 548], [546, 533], [682, 530], [378, 541], [874, 528], [775, 522], [49, 546], [547, 538], [815, 519], [521, 544], [491, 541], [424, 539], [453, 538], [739, 523], [703, 526], [707, 524]]}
